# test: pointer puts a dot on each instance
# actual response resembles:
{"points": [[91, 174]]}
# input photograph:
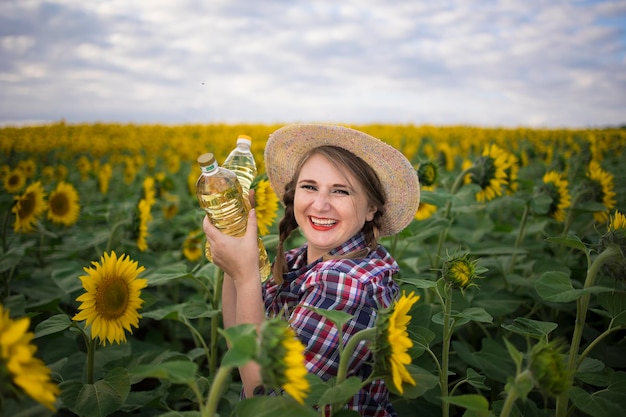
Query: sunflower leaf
{"points": [[54, 324], [100, 399], [341, 392], [339, 318], [532, 328], [556, 286]]}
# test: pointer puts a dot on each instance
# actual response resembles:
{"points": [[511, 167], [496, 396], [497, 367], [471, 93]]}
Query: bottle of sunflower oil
{"points": [[220, 195], [241, 162]]}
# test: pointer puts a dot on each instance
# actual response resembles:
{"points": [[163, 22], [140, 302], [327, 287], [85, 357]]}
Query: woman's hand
{"points": [[238, 257]]}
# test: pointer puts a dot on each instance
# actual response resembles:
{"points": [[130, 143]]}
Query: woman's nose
{"points": [[321, 201]]}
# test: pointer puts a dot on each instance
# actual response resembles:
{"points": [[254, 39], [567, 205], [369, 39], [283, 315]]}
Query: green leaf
{"points": [[556, 286], [477, 314], [243, 345], [165, 274], [338, 317], [516, 355], [272, 406], [571, 241], [469, 401], [342, 392], [198, 309], [594, 405], [97, 400], [418, 283], [67, 276], [54, 324], [531, 328], [615, 304], [178, 372], [475, 379]]}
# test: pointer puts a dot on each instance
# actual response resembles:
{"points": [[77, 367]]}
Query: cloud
{"points": [[505, 63]]}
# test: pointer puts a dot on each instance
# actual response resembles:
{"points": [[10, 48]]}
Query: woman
{"points": [[342, 189]]}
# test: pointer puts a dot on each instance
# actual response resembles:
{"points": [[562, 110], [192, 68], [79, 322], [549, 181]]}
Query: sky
{"points": [[492, 63]]}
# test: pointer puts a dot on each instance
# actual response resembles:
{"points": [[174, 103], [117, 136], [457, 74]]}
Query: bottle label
{"points": [[208, 169]]}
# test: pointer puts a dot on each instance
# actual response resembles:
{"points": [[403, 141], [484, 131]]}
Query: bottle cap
{"points": [[206, 159], [244, 139]]}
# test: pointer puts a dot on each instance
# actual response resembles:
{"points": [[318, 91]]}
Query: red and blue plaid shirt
{"points": [[359, 287]]}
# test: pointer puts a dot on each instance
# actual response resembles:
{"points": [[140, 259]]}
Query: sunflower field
{"points": [[512, 278]]}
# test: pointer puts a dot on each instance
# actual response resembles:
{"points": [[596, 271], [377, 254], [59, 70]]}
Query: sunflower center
{"points": [[112, 298], [59, 204], [27, 205], [13, 180], [461, 272]]}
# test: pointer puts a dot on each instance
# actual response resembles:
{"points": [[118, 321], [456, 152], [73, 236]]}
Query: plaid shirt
{"points": [[358, 287]]}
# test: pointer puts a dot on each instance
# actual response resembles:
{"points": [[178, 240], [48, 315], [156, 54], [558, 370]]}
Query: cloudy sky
{"points": [[539, 63]]}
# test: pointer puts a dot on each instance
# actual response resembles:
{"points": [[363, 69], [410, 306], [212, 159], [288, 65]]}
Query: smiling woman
{"points": [[342, 189]]}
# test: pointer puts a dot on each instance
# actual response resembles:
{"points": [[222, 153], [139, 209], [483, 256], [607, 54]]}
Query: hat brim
{"points": [[287, 145]]}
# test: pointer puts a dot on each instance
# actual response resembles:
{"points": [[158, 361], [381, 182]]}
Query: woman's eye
{"points": [[307, 187], [344, 192]]}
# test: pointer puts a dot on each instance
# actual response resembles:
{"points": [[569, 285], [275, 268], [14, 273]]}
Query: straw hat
{"points": [[286, 147]]}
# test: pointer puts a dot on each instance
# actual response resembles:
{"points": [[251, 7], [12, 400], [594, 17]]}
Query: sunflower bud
{"points": [[281, 356], [615, 236], [460, 271], [548, 368], [428, 173]]}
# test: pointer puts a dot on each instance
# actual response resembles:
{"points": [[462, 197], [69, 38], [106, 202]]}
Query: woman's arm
{"points": [[242, 299]]}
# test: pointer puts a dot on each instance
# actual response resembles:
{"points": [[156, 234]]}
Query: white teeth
{"points": [[323, 222]]}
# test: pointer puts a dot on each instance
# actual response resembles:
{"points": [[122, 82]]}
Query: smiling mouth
{"points": [[322, 223]]}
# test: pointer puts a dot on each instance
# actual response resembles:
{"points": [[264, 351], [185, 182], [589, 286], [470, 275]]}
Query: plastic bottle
{"points": [[220, 195], [241, 162]]}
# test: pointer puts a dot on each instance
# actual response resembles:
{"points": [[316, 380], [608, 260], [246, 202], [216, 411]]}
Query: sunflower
{"points": [[615, 236], [548, 368], [84, 166], [490, 173], [428, 173], [28, 207], [112, 297], [556, 187], [282, 361], [266, 206], [170, 205], [601, 190], [425, 210], [17, 357], [14, 181], [512, 173], [460, 271], [392, 341], [104, 178], [145, 217], [28, 167], [192, 246], [63, 206]]}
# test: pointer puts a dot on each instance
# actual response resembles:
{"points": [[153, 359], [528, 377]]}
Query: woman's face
{"points": [[330, 206]]}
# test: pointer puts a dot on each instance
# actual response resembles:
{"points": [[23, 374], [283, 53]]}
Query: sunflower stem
{"points": [[581, 314], [346, 354], [91, 354], [216, 391], [217, 290], [113, 230], [569, 220], [445, 350], [446, 215], [518, 241], [513, 393]]}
